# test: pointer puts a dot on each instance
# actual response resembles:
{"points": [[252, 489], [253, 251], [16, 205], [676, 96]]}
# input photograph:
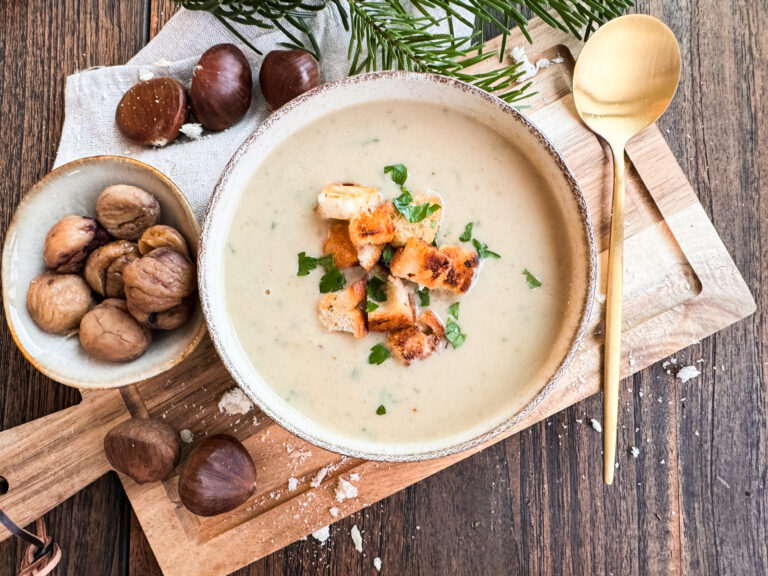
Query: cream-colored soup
{"points": [[510, 328]]}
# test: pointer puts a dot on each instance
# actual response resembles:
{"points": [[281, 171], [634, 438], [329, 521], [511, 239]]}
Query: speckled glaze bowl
{"points": [[73, 189], [335, 97]]}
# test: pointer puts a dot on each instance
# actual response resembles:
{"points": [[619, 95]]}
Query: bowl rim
{"points": [[39, 188], [563, 170]]}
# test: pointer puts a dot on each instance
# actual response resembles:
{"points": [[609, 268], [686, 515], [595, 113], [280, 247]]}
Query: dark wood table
{"points": [[694, 502]]}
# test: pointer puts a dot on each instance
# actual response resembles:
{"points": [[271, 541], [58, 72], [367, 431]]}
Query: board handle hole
{"points": [[4, 486]]}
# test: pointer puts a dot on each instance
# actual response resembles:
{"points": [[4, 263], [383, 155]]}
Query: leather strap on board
{"points": [[42, 555]]}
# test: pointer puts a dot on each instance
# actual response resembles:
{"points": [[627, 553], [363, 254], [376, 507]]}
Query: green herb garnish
{"points": [[332, 281], [370, 306], [413, 213], [378, 355], [532, 281], [376, 289], [399, 173], [423, 296], [482, 250], [381, 410], [453, 310], [466, 236], [387, 254], [453, 333]]}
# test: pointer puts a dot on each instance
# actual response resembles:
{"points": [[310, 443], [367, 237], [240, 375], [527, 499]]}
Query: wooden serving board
{"points": [[680, 286]]}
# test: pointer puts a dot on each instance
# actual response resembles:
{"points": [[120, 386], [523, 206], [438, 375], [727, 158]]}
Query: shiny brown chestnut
{"points": [[219, 476], [285, 74], [145, 450], [151, 113], [220, 94]]}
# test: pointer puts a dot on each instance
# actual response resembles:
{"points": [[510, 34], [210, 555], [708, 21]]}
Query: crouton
{"points": [[341, 311], [342, 201], [464, 263], [426, 229], [372, 227], [418, 342], [419, 262], [339, 244], [397, 312], [369, 254]]}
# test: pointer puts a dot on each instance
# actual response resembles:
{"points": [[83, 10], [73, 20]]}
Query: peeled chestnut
{"points": [[127, 211], [57, 302], [285, 74], [145, 450], [162, 235], [69, 242], [151, 113], [104, 267], [220, 94], [159, 281], [218, 476], [109, 332], [166, 320]]}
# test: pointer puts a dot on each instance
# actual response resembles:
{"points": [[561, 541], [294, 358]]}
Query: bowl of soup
{"points": [[457, 305]]}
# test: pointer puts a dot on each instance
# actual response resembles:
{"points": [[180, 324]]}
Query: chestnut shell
{"points": [[285, 74], [220, 94], [151, 113], [219, 476], [145, 450]]}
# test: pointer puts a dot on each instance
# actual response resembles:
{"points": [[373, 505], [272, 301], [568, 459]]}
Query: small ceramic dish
{"points": [[73, 189]]}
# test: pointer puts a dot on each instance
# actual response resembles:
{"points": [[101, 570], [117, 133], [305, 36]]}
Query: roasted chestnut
{"points": [[57, 302], [104, 267], [220, 94], [145, 450], [69, 242], [109, 332], [162, 235], [219, 476], [166, 320], [151, 113], [285, 74], [127, 211], [159, 281]]}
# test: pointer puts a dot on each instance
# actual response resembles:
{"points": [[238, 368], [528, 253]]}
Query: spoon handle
{"points": [[613, 318]]}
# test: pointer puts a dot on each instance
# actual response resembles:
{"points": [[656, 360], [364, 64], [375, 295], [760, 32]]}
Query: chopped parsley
{"points": [[453, 310], [332, 281], [371, 306], [376, 289], [482, 250], [423, 296], [413, 213], [387, 254], [399, 173], [378, 355], [453, 333], [466, 236], [532, 281], [381, 410]]}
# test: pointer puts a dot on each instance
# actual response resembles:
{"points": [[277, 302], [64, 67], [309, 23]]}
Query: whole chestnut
{"points": [[57, 302], [285, 74], [104, 267], [219, 476], [161, 235], [127, 211], [151, 113], [166, 320], [109, 332], [220, 94], [159, 281], [69, 242], [145, 450]]}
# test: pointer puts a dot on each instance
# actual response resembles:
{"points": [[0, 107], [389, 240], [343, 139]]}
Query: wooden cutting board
{"points": [[680, 286]]}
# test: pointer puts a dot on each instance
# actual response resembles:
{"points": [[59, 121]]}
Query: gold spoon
{"points": [[624, 79]]}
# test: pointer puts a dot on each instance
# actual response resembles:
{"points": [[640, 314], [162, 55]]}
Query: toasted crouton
{"points": [[418, 342], [342, 201], [340, 311], [368, 255], [464, 263], [419, 262], [339, 244], [426, 229], [372, 227], [397, 312]]}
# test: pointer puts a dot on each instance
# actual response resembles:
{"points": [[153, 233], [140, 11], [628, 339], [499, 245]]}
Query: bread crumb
{"points": [[186, 436], [377, 564], [354, 476], [319, 477], [192, 130], [631, 360], [600, 298], [687, 373], [357, 538], [345, 490], [334, 512], [322, 535], [635, 451], [293, 483], [234, 402], [596, 425], [529, 69], [145, 74], [255, 421], [163, 63]]}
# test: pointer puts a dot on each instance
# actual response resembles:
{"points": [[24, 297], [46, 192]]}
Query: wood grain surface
{"points": [[695, 502]]}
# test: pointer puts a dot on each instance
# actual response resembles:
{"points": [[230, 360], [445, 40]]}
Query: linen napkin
{"points": [[92, 96]]}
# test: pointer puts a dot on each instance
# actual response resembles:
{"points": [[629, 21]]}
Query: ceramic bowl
{"points": [[73, 189], [437, 91]]}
